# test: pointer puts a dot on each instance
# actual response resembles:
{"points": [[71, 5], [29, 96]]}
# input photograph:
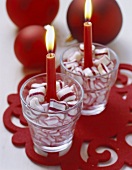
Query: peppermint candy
{"points": [[94, 70], [81, 47], [45, 107], [61, 116], [38, 93], [48, 121], [34, 103], [75, 57], [101, 51], [66, 94], [72, 112], [55, 105], [104, 60], [72, 103], [103, 69], [87, 72], [59, 84], [71, 65], [37, 85], [78, 70]]}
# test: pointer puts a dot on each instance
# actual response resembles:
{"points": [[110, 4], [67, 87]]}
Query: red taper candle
{"points": [[50, 65], [51, 76], [88, 35]]}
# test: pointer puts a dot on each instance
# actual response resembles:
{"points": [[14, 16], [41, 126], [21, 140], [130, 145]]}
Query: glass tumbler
{"points": [[97, 87], [51, 132]]}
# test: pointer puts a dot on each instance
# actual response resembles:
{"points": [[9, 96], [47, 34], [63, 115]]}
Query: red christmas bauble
{"points": [[32, 12], [106, 20], [30, 48]]}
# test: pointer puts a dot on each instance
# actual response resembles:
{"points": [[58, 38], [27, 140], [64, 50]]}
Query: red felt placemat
{"points": [[108, 129]]}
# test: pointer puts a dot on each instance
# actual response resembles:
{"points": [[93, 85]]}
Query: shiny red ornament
{"points": [[30, 48], [32, 12], [106, 20]]}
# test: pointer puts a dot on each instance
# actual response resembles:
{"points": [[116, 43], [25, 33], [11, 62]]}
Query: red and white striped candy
{"points": [[54, 132], [72, 103], [75, 57], [94, 70], [78, 71], [73, 88], [65, 129], [99, 85], [41, 120], [59, 84], [37, 90], [78, 77], [61, 116], [49, 121], [45, 141], [104, 60], [87, 72], [81, 47], [51, 138], [103, 69], [72, 112], [66, 94], [37, 85], [101, 51], [55, 105], [85, 98], [110, 65], [39, 133], [38, 93], [86, 84], [34, 103], [90, 100], [92, 84], [104, 79], [100, 99], [45, 107], [67, 119], [71, 65]]}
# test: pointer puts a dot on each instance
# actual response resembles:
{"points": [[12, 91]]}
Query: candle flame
{"points": [[50, 38], [88, 9]]}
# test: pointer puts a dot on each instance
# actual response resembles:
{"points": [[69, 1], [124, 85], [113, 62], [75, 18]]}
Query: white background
{"points": [[11, 72]]}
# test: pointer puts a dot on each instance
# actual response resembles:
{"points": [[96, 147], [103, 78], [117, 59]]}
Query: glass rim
{"points": [[53, 113], [95, 76]]}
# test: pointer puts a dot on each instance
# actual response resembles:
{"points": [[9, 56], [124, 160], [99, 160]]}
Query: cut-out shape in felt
{"points": [[108, 129]]}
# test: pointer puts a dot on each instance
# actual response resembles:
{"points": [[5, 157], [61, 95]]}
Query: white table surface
{"points": [[11, 72]]}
